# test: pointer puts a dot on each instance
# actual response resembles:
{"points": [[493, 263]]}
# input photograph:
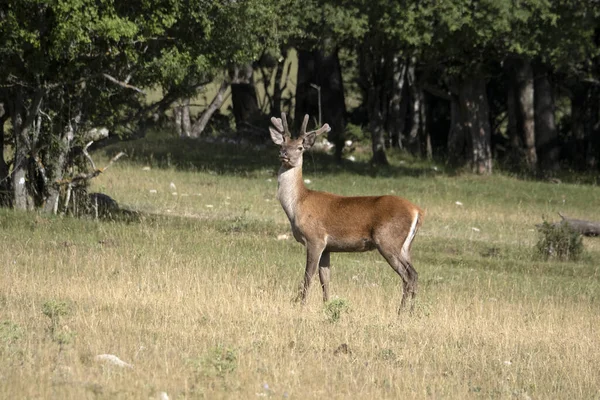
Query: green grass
{"points": [[199, 299]]}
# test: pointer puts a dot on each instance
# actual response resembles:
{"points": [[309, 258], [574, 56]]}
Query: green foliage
{"points": [[9, 332], [55, 311], [335, 308], [559, 241], [219, 361]]}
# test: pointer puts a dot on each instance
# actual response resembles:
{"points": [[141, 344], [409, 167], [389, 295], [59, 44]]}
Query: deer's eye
{"points": [[300, 148]]}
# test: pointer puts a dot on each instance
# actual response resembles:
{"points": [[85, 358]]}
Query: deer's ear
{"points": [[276, 136], [309, 139]]}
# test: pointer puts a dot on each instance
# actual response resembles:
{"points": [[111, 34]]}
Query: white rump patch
{"points": [[411, 236]]}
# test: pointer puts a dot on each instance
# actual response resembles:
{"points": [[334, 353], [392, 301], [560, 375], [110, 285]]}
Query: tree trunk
{"points": [[177, 114], [21, 126], [4, 177], [525, 109], [425, 134], [243, 97], [475, 116], [399, 103], [186, 123], [52, 202], [579, 95], [278, 88], [415, 109], [214, 105], [512, 129], [546, 134], [376, 127], [320, 92], [457, 142]]}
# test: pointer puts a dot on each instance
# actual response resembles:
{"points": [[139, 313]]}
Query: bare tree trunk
{"points": [[516, 148], [22, 126], [457, 142], [475, 115], [4, 173], [546, 134], [376, 127], [278, 87], [243, 96], [425, 135], [415, 109], [399, 102], [177, 113], [214, 105], [525, 109], [320, 74], [186, 123], [578, 104]]}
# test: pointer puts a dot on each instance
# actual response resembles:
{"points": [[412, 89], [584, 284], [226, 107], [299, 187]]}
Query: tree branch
{"points": [[123, 84]]}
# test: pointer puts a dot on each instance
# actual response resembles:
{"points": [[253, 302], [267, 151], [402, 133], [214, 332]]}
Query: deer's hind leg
{"points": [[399, 260], [325, 274]]}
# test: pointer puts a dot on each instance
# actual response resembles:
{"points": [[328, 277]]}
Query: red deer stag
{"points": [[325, 222]]}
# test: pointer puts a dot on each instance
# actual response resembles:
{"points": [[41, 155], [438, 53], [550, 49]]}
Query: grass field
{"points": [[197, 294]]}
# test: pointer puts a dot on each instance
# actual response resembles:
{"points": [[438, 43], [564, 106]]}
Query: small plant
{"points": [[9, 332], [335, 308], [56, 310], [218, 361], [559, 241]]}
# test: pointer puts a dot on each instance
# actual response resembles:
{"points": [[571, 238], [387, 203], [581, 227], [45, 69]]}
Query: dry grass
{"points": [[198, 299]]}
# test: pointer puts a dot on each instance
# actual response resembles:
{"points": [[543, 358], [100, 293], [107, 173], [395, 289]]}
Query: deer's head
{"points": [[291, 150]]}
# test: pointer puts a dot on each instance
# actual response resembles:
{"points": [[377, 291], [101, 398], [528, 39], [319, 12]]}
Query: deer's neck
{"points": [[290, 190]]}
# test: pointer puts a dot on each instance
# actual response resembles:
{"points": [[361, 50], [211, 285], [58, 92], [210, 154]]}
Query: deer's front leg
{"points": [[325, 274], [313, 255]]}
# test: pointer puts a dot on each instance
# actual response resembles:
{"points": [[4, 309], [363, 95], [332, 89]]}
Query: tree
{"points": [[70, 66]]}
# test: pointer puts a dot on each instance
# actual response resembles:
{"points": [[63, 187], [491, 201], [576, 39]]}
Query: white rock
{"points": [[153, 191], [209, 206], [163, 396], [307, 181], [351, 158], [458, 203], [146, 168], [172, 186], [112, 359], [476, 229], [283, 237]]}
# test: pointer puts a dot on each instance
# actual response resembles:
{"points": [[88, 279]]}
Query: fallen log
{"points": [[586, 228]]}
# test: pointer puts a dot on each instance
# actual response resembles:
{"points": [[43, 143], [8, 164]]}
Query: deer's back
{"points": [[350, 223]]}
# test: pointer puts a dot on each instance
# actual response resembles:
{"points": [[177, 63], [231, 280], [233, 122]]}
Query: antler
{"points": [[281, 125], [303, 133]]}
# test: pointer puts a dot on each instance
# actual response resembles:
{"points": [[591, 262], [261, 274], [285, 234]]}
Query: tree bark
{"points": [[214, 105], [243, 96], [475, 116], [546, 134], [376, 127], [457, 142], [398, 103], [525, 109], [320, 74], [586, 228], [414, 108], [186, 123]]}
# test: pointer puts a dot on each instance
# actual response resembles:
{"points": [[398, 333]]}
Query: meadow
{"points": [[196, 291]]}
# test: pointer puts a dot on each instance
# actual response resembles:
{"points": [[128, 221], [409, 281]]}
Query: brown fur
{"points": [[326, 222]]}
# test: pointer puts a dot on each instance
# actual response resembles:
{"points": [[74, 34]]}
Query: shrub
{"points": [[559, 241], [335, 308]]}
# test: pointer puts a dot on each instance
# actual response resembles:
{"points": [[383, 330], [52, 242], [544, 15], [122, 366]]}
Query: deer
{"points": [[327, 223]]}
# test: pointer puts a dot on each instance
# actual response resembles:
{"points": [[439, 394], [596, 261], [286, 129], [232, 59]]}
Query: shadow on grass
{"points": [[233, 158]]}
